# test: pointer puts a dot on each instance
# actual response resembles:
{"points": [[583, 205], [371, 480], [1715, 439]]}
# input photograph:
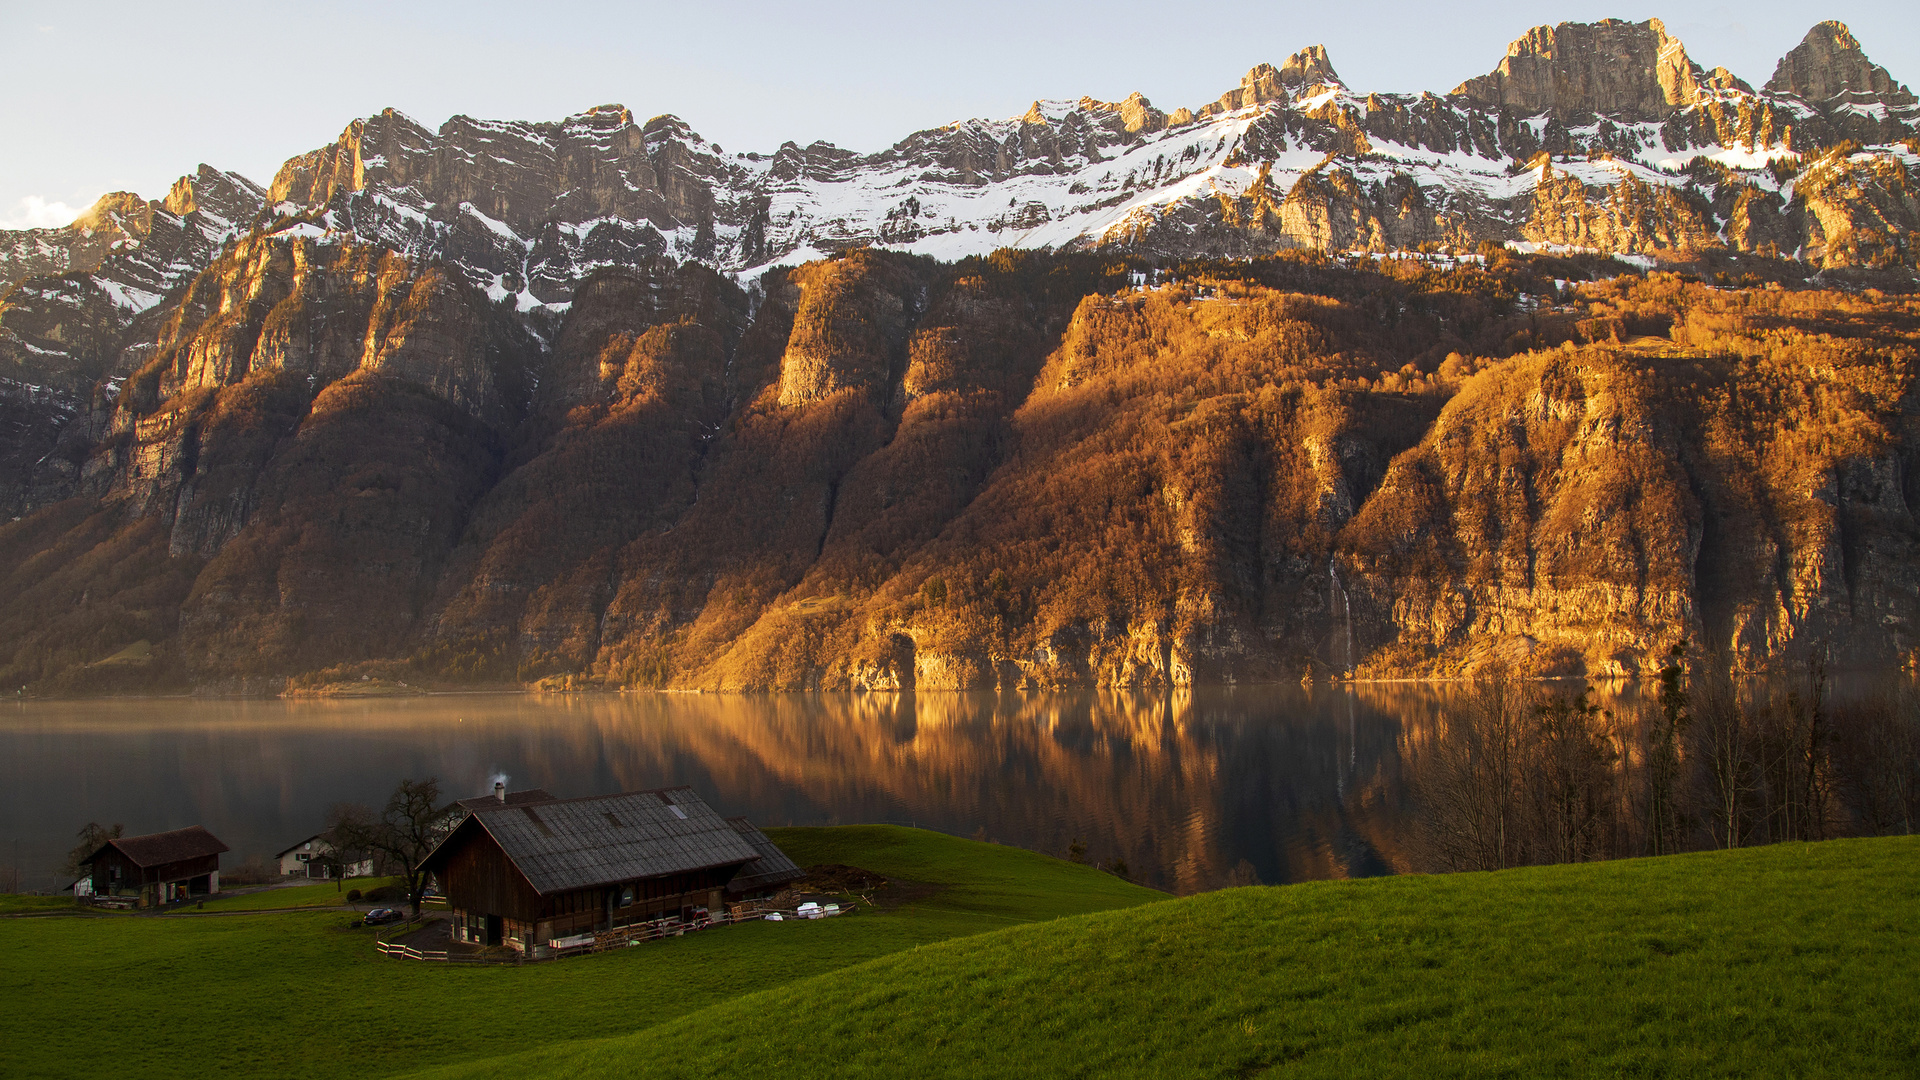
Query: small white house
{"points": [[309, 858]]}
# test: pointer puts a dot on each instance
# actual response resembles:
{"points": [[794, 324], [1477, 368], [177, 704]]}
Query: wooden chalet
{"points": [[522, 871], [159, 868]]}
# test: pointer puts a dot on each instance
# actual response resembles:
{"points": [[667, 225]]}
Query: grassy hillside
{"points": [[11, 904], [1792, 960], [319, 894], [296, 994]]}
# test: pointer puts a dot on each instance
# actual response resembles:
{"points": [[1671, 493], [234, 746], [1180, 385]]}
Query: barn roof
{"points": [[576, 843], [158, 849], [770, 869]]}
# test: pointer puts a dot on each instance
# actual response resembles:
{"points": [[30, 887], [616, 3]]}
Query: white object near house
{"points": [[309, 858]]}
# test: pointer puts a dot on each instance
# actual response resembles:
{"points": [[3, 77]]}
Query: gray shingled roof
{"points": [[158, 849], [770, 869], [577, 843]]}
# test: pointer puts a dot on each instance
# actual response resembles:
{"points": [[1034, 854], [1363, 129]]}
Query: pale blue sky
{"points": [[111, 96]]}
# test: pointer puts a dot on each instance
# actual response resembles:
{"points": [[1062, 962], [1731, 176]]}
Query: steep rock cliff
{"points": [[1634, 71], [1583, 509], [303, 446], [883, 472], [1828, 64], [600, 401]]}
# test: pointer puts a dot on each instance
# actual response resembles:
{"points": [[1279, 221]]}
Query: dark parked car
{"points": [[381, 915]]}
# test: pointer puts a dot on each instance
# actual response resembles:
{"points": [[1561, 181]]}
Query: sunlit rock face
{"points": [[878, 472], [1604, 136], [597, 400], [1830, 64], [1634, 71]]}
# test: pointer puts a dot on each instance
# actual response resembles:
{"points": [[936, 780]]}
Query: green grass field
{"points": [[300, 994], [1794, 960], [324, 894], [12, 904]]}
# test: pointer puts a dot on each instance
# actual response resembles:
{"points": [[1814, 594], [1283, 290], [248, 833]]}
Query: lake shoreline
{"points": [[351, 692]]}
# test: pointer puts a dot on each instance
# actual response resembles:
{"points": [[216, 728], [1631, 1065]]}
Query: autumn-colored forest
{"points": [[1029, 470]]}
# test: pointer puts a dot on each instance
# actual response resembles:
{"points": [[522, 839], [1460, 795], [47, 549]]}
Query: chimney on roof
{"points": [[500, 791]]}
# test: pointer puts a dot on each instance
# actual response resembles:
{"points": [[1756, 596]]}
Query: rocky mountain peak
{"points": [[1828, 63], [1625, 69], [1289, 158], [617, 112], [116, 211], [1301, 72], [1308, 67], [230, 195], [1136, 113]]}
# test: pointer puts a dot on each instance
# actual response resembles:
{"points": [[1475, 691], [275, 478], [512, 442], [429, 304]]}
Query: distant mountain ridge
{"points": [[1604, 136]]}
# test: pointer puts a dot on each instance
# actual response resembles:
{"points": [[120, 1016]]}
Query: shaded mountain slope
{"points": [[1031, 470]]}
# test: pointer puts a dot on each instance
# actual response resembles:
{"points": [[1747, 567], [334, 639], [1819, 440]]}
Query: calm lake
{"points": [[1184, 785]]}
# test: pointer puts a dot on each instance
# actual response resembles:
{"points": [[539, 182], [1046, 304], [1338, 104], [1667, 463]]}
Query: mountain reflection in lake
{"points": [[1183, 786]]}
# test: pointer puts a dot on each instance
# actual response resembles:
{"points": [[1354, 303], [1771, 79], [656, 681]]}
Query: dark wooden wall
{"points": [[103, 866], [185, 868], [133, 877], [477, 876]]}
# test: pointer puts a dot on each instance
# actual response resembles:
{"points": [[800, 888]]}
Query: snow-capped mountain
{"points": [[1603, 136], [1561, 144]]}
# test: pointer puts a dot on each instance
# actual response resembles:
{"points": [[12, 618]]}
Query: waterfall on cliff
{"points": [[1337, 598]]}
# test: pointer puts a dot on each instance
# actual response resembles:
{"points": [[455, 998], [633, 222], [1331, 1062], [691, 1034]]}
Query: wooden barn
{"points": [[764, 876], [159, 868], [523, 871]]}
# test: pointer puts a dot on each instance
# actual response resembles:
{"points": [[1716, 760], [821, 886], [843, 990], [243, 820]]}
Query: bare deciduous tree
{"points": [[1877, 756], [1665, 823], [1571, 777], [1723, 737], [1469, 782], [343, 840], [405, 831], [1516, 775], [1796, 759]]}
